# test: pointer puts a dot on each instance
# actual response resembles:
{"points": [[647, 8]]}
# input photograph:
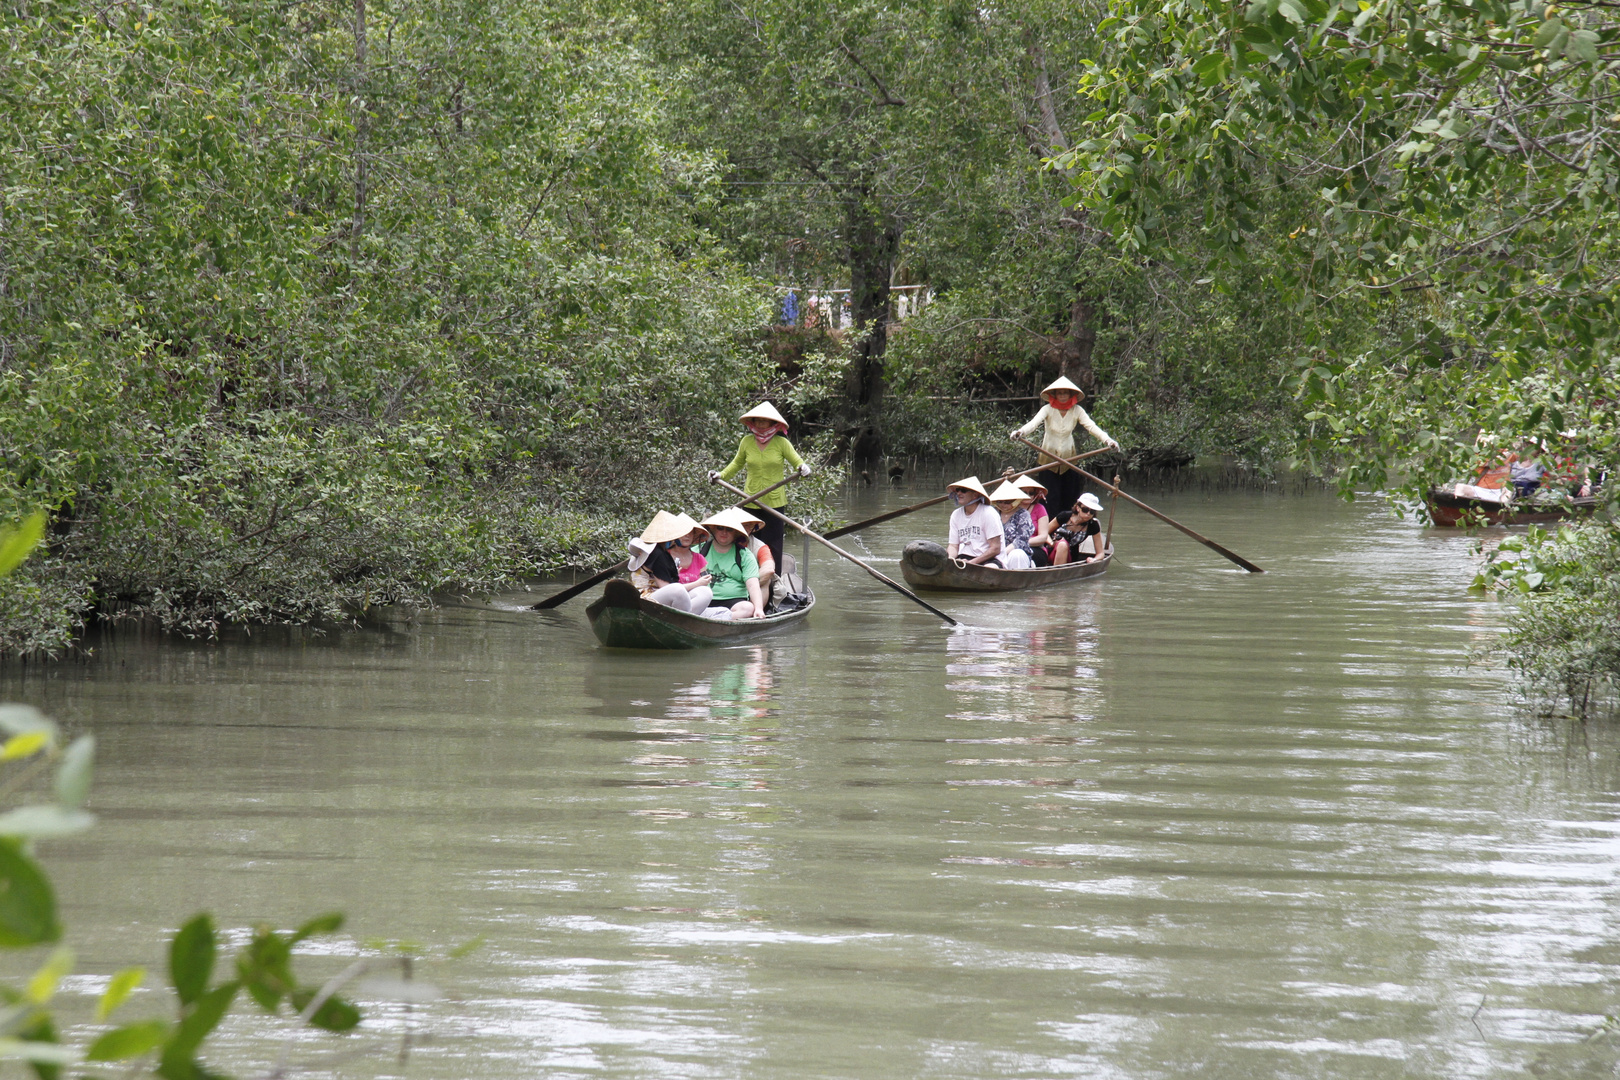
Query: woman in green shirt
{"points": [[767, 454], [734, 571]]}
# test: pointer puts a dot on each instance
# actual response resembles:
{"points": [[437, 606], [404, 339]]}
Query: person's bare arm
{"points": [[754, 598], [992, 549]]}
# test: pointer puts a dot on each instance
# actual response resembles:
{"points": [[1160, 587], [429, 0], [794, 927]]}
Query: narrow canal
{"points": [[1176, 821]]}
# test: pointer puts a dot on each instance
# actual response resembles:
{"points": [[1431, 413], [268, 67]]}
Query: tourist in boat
{"points": [[975, 528], [1042, 523], [1074, 529], [654, 569], [762, 555], [1525, 471], [734, 571], [1060, 415], [767, 455], [1016, 527]]}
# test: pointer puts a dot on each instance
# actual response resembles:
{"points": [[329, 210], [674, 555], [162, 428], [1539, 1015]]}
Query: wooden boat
{"points": [[1448, 508], [621, 619], [926, 566]]}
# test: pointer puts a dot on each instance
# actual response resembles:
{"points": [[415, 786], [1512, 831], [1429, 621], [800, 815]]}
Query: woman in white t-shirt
{"points": [[975, 528]]}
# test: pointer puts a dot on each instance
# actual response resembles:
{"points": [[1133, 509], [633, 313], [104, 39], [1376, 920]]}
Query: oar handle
{"points": [[835, 549], [1166, 518]]}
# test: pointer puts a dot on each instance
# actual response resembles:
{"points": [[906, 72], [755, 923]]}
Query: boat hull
{"points": [[926, 566], [1449, 510], [621, 619]]}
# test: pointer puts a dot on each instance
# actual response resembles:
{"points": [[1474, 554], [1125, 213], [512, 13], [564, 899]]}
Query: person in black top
{"points": [[1074, 528]]}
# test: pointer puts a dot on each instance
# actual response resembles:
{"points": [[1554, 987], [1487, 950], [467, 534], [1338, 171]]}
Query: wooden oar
{"points": [[824, 542], [845, 530], [574, 590], [1167, 519]]}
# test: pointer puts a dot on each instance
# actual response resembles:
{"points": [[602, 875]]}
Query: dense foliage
{"points": [[301, 315]]}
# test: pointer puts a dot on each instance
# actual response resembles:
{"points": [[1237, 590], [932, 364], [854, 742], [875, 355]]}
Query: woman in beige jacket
{"points": [[1062, 414]]}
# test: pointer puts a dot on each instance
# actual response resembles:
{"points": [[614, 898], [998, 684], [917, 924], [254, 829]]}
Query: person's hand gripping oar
{"points": [[824, 542], [602, 575], [1166, 518]]}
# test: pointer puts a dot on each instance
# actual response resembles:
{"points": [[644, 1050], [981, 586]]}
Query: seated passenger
{"points": [[735, 572], [975, 528], [1074, 529], [1016, 527], [654, 570], [1525, 471], [761, 551]]}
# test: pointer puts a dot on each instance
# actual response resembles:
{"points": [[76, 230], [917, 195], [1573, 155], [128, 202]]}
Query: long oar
{"points": [[1168, 520], [824, 542], [845, 530], [574, 590]]}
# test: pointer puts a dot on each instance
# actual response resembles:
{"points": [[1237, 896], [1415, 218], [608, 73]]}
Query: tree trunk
{"points": [[1077, 350], [873, 247]]}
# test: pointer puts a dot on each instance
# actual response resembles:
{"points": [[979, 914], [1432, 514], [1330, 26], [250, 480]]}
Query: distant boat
{"points": [[926, 566], [1452, 505], [622, 619]]}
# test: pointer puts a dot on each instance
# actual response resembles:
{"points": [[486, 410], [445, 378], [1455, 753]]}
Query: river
{"points": [[1176, 821]]}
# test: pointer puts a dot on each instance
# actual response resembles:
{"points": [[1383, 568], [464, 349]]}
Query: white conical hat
{"points": [[764, 411], [1029, 483], [972, 484], [734, 518], [1008, 493], [665, 527], [1063, 383]]}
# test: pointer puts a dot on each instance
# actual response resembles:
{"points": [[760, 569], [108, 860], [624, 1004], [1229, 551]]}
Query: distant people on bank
{"points": [[1061, 415], [975, 527], [734, 571], [655, 569], [766, 454], [1016, 527], [1076, 538]]}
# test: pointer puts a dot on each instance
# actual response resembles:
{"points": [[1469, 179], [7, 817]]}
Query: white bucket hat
{"points": [[970, 483], [1090, 502], [640, 552], [665, 527], [764, 411]]}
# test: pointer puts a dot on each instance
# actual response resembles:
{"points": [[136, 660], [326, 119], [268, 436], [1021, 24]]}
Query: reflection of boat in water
{"points": [[621, 619], [1469, 504], [926, 566]]}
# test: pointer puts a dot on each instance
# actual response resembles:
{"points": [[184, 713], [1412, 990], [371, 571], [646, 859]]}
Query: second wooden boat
{"points": [[926, 566], [621, 619], [1448, 508]]}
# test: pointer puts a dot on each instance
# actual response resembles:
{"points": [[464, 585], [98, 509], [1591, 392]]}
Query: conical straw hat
{"points": [[1008, 493], [732, 517], [972, 484], [1030, 484], [764, 411], [1063, 383], [665, 527]]}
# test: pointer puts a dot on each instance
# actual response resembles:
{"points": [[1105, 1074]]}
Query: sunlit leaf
{"points": [[118, 990], [42, 984], [17, 541], [27, 744], [129, 1041], [43, 821]]}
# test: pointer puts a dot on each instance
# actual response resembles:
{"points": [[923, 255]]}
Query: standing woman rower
{"points": [[1060, 414], [767, 455]]}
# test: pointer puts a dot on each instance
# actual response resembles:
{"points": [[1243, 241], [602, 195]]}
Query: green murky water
{"points": [[1178, 821]]}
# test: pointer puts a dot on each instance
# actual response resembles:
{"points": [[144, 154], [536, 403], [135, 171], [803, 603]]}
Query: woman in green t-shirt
{"points": [[767, 454], [733, 571]]}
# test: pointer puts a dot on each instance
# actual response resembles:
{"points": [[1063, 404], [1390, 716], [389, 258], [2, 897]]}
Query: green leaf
{"points": [[1210, 63], [73, 775], [1549, 31], [18, 541], [335, 1014], [42, 984], [27, 904], [191, 959], [44, 821], [329, 923], [40, 1053], [27, 744], [264, 968], [198, 1024], [118, 990], [129, 1041], [23, 719]]}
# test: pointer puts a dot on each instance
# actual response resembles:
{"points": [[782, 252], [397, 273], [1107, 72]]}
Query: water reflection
{"points": [[1170, 821]]}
